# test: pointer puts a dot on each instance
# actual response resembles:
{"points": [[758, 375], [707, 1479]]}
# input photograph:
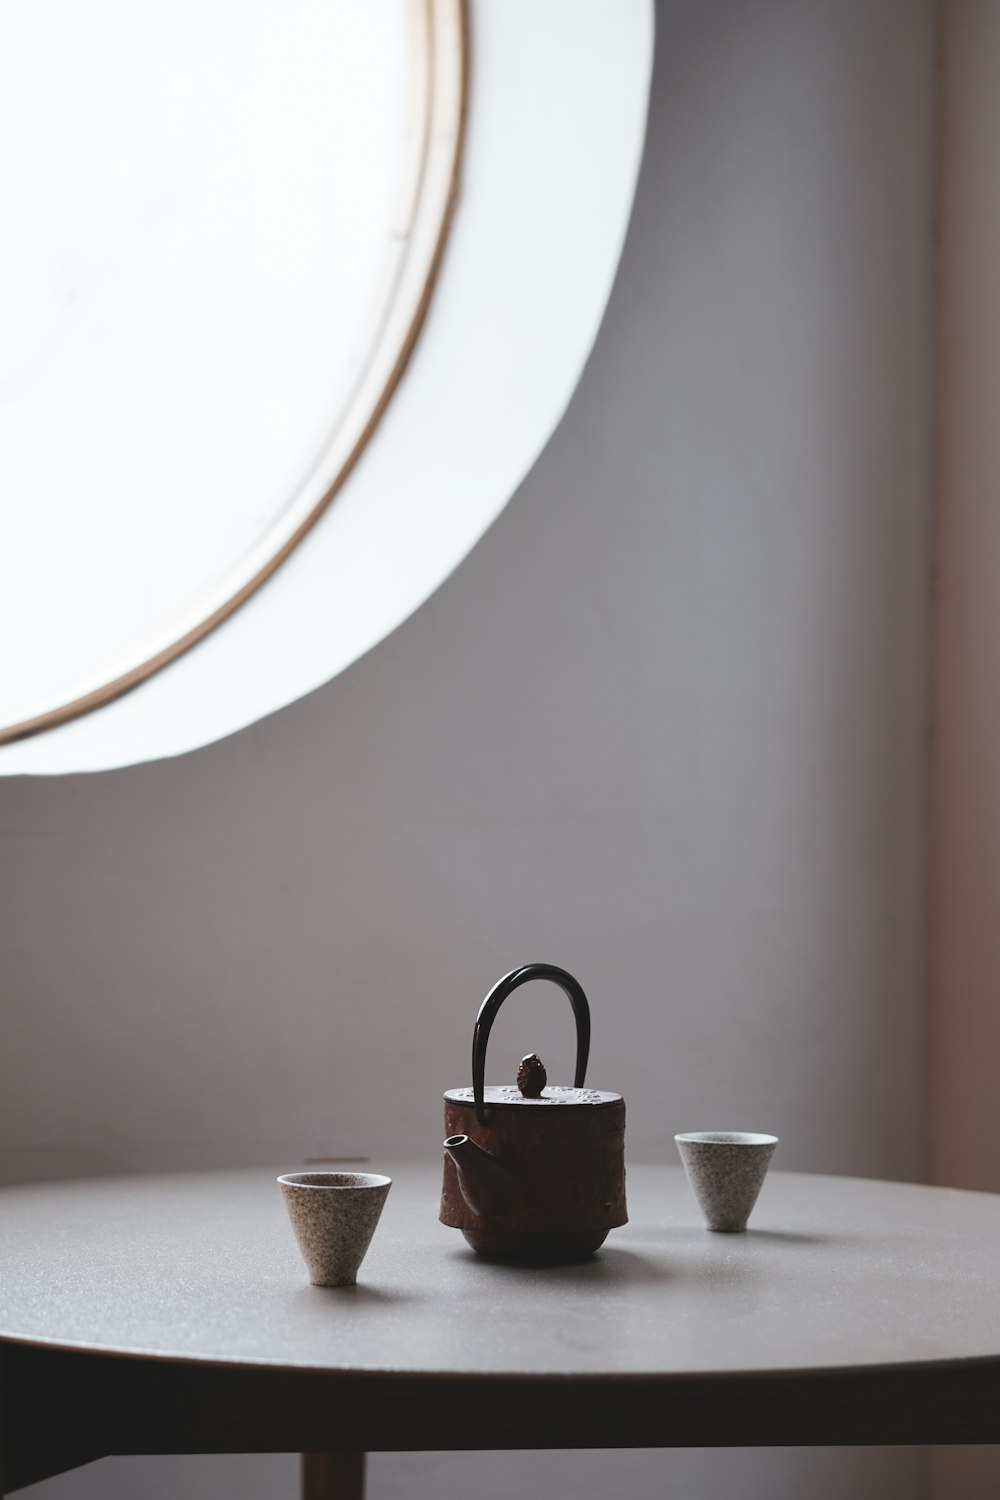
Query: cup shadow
{"points": [[792, 1237], [695, 1233], [361, 1295]]}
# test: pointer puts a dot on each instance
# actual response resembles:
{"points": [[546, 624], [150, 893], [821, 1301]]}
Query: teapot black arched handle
{"points": [[493, 1002]]}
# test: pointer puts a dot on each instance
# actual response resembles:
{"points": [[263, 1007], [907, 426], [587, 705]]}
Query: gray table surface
{"points": [[834, 1272]]}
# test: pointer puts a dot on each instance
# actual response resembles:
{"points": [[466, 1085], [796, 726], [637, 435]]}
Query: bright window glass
{"points": [[528, 151], [217, 255]]}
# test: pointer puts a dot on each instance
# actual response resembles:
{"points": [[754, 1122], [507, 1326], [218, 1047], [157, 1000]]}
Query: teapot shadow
{"points": [[616, 1265], [610, 1266]]}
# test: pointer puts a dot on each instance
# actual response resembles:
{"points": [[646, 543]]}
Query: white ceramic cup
{"points": [[334, 1215], [726, 1169]]}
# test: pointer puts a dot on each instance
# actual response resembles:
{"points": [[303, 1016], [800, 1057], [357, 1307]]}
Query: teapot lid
{"points": [[495, 1094], [532, 1087]]}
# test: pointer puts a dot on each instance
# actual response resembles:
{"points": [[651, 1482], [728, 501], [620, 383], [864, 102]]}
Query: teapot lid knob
{"points": [[531, 1076]]}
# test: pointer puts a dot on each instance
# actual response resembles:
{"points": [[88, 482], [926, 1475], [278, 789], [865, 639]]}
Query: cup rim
{"points": [[725, 1138], [337, 1182]]}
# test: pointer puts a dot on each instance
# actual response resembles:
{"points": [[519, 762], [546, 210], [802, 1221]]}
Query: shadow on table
{"points": [[348, 1296], [790, 1237], [678, 1253], [608, 1267]]}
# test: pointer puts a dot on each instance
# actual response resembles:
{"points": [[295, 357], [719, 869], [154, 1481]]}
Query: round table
{"points": [[168, 1314]]}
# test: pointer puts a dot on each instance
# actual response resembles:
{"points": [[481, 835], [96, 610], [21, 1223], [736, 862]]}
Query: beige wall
{"points": [[966, 785], [664, 727]]}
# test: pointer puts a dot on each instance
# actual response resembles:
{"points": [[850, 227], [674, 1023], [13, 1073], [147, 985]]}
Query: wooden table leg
{"points": [[333, 1476], [2, 1465]]}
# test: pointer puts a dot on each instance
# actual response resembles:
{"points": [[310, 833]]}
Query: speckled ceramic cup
{"points": [[726, 1169], [334, 1215]]}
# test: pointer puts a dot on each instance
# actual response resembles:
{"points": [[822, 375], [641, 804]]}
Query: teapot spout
{"points": [[485, 1182]]}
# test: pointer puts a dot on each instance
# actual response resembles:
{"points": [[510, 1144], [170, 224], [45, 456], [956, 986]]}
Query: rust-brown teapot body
{"points": [[532, 1171]]}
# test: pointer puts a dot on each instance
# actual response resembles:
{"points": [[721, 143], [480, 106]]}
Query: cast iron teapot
{"points": [[533, 1172]]}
